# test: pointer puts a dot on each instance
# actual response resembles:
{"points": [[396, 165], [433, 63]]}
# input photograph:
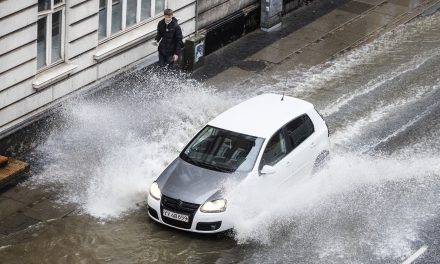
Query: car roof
{"points": [[261, 116]]}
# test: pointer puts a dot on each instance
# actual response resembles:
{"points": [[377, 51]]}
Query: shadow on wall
{"points": [[290, 5]]}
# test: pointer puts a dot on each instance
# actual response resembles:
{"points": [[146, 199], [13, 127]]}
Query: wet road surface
{"points": [[376, 201]]}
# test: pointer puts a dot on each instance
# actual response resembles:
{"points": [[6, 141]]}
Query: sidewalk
{"points": [[309, 36], [340, 27]]}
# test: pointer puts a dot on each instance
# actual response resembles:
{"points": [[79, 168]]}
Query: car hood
{"points": [[190, 183]]}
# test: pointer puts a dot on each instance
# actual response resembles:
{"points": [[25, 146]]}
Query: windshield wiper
{"points": [[217, 168], [206, 165], [190, 160]]}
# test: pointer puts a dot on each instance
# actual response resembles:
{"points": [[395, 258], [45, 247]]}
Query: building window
{"points": [[117, 15], [50, 35]]}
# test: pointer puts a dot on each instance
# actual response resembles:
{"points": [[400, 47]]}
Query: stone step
{"points": [[11, 173], [3, 161]]}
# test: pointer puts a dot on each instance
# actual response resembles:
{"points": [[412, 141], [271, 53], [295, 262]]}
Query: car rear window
{"points": [[299, 130]]}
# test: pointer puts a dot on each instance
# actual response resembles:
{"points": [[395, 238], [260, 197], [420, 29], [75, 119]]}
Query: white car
{"points": [[267, 134]]}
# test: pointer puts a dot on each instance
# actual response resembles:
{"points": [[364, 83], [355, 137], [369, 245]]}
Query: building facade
{"points": [[53, 48], [50, 49]]}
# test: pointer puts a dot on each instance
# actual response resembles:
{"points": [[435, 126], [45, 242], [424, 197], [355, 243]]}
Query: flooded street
{"points": [[376, 201]]}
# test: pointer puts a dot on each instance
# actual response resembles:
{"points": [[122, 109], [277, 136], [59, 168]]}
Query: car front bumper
{"points": [[201, 222]]}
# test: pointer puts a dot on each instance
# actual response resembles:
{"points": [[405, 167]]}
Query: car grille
{"points": [[180, 207]]}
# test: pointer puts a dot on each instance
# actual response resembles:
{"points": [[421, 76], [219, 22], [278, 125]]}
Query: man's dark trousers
{"points": [[165, 60]]}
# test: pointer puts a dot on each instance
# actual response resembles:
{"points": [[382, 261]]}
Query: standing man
{"points": [[169, 39]]}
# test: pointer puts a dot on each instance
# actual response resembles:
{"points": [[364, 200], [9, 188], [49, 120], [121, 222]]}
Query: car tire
{"points": [[321, 160]]}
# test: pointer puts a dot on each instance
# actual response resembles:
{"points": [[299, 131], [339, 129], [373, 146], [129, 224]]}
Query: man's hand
{"points": [[155, 43], [175, 57]]}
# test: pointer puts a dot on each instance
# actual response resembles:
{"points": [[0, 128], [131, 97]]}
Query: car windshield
{"points": [[222, 150]]}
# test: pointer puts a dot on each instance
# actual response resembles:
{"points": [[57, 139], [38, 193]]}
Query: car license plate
{"points": [[176, 216]]}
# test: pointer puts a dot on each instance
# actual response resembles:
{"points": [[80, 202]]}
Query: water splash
{"points": [[107, 154], [356, 203]]}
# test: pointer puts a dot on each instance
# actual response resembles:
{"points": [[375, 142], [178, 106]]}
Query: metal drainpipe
{"points": [[197, 18]]}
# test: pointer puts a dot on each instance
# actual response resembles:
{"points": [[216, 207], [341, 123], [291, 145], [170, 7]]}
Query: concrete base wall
{"points": [[290, 5], [224, 21], [231, 28], [216, 10]]}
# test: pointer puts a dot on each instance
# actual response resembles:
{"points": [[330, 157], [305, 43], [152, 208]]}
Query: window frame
{"points": [[283, 132], [291, 147], [124, 28], [258, 145], [48, 13]]}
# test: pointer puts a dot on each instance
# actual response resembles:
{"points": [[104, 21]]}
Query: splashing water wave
{"points": [[354, 200], [105, 157]]}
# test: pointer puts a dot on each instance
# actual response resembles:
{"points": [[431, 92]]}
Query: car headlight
{"points": [[215, 206], [155, 191]]}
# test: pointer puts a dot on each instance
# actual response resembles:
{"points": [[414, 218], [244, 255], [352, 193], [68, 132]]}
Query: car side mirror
{"points": [[267, 170]]}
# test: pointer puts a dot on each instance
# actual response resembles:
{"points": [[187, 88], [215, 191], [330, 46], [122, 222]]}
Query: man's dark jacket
{"points": [[171, 36]]}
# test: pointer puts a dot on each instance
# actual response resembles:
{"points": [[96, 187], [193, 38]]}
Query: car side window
{"points": [[299, 130], [275, 150]]}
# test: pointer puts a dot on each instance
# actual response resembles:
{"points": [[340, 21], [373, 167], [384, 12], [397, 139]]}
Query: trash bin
{"points": [[194, 53]]}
